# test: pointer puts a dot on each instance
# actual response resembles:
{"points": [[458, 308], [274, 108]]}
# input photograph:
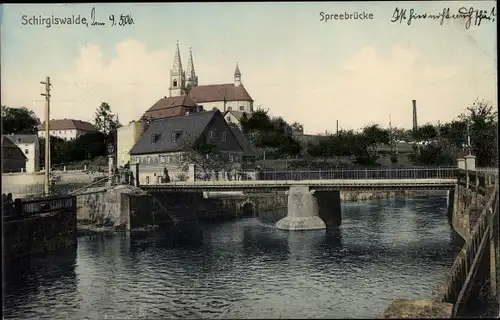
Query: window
{"points": [[212, 134], [161, 159], [242, 108], [176, 135], [26, 151], [148, 160], [223, 136], [231, 157], [155, 137], [175, 83]]}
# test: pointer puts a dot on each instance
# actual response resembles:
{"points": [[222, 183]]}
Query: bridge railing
{"points": [[24, 208], [457, 284], [488, 170], [361, 174]]}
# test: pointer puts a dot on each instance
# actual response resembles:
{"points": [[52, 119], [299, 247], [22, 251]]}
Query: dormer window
{"points": [[229, 108], [155, 137], [176, 135], [212, 134]]}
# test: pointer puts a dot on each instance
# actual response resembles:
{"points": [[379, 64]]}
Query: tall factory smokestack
{"points": [[415, 125]]}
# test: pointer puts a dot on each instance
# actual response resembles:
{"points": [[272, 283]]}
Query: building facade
{"points": [[126, 137], [185, 92], [13, 158], [202, 140], [67, 129], [30, 147]]}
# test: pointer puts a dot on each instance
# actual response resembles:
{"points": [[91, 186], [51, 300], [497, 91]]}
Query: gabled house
{"points": [[249, 154], [13, 158], [201, 140], [171, 107], [30, 147], [67, 129], [233, 117]]}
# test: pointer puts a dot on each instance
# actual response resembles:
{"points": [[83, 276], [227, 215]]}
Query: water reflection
{"points": [[245, 268], [50, 278]]}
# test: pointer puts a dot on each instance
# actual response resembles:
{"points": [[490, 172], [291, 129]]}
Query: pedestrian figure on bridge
{"points": [[166, 178]]}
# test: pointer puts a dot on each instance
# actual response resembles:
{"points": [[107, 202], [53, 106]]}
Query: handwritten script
{"points": [[470, 16]]}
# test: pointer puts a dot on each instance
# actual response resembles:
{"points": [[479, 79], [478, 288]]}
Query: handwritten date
{"points": [[120, 20]]}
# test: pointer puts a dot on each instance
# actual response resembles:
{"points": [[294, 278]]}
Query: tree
{"points": [[19, 121], [426, 132], [483, 121], [58, 151], [206, 157], [87, 146], [104, 118], [374, 135], [297, 128]]}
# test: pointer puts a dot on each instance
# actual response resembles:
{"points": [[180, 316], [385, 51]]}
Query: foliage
{"points": [[425, 133], [85, 147], [19, 121], [483, 121], [297, 127], [104, 118], [274, 136], [206, 157]]}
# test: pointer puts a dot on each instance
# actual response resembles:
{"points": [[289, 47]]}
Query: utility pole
{"points": [[390, 135], [47, 134], [337, 132], [468, 137]]}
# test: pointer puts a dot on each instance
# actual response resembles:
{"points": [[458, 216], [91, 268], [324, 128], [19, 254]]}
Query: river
{"points": [[385, 249]]}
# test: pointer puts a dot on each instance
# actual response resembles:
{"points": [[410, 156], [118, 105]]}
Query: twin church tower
{"points": [[182, 81]]}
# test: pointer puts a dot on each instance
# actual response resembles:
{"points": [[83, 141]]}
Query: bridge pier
{"points": [[302, 211], [311, 210], [329, 207]]}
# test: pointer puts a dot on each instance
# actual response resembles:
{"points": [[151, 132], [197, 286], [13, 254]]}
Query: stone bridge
{"points": [[476, 270], [314, 200]]}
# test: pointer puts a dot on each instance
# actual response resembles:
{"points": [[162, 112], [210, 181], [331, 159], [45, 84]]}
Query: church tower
{"points": [[177, 76], [191, 78], [237, 76]]}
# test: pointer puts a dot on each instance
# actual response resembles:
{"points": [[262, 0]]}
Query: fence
{"points": [[24, 208], [457, 285], [362, 174], [488, 170]]}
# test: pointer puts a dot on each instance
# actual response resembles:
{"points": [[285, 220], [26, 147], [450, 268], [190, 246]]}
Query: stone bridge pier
{"points": [[311, 210]]}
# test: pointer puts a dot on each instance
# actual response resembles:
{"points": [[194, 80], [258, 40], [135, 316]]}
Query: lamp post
{"points": [[111, 150]]}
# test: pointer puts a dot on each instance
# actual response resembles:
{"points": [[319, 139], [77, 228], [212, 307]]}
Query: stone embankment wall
{"points": [[106, 207], [38, 233], [127, 207]]}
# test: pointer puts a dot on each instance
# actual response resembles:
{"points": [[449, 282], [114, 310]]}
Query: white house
{"points": [[28, 143], [67, 129]]}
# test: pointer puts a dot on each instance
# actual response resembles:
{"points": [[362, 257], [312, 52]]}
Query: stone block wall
{"points": [[39, 233]]}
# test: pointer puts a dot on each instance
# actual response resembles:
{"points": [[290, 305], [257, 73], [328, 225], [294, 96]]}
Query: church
{"points": [[186, 96]]}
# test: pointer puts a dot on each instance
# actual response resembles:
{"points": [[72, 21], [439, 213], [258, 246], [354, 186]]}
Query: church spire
{"points": [[192, 79], [237, 75], [177, 60], [177, 75]]}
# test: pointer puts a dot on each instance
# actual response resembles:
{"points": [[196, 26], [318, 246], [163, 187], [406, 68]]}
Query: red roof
{"points": [[68, 124], [171, 107], [219, 92]]}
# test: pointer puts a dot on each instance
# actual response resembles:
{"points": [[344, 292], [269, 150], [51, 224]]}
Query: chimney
{"points": [[415, 124]]}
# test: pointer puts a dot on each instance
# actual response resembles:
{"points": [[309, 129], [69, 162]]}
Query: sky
{"points": [[293, 64]]}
